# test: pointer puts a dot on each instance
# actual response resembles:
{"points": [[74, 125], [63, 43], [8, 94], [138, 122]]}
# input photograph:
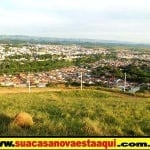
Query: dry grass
{"points": [[4, 90]]}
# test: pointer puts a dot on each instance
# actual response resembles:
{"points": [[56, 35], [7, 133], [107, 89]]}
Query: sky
{"points": [[123, 20]]}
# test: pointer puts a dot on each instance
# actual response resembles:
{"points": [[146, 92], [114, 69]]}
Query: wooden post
{"points": [[125, 80], [81, 81]]}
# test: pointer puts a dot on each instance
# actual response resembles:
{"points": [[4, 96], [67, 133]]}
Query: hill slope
{"points": [[76, 113]]}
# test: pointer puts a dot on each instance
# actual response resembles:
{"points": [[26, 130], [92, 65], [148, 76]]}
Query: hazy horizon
{"points": [[123, 20]]}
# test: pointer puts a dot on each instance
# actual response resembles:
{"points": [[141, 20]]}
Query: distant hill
{"points": [[50, 40]]}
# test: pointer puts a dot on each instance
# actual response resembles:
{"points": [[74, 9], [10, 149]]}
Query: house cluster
{"points": [[128, 54], [67, 51], [71, 74], [109, 62], [64, 75], [41, 79]]}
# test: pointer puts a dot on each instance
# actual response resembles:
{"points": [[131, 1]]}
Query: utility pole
{"points": [[29, 84], [125, 80], [81, 81]]}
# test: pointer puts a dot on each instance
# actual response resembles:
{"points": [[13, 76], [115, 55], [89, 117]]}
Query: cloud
{"points": [[77, 18], [9, 18]]}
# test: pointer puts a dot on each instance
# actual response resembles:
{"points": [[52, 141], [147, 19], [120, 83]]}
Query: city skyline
{"points": [[93, 19]]}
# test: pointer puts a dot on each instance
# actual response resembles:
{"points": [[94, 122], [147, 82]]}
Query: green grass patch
{"points": [[76, 113]]}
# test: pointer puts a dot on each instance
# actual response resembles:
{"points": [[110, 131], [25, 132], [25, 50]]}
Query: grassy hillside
{"points": [[76, 113]]}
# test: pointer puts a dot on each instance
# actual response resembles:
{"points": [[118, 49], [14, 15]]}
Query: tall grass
{"points": [[76, 113]]}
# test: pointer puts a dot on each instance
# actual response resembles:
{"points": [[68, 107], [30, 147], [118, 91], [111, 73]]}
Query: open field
{"points": [[89, 112]]}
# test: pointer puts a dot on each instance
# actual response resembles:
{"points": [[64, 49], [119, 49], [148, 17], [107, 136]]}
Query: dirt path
{"points": [[7, 90]]}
